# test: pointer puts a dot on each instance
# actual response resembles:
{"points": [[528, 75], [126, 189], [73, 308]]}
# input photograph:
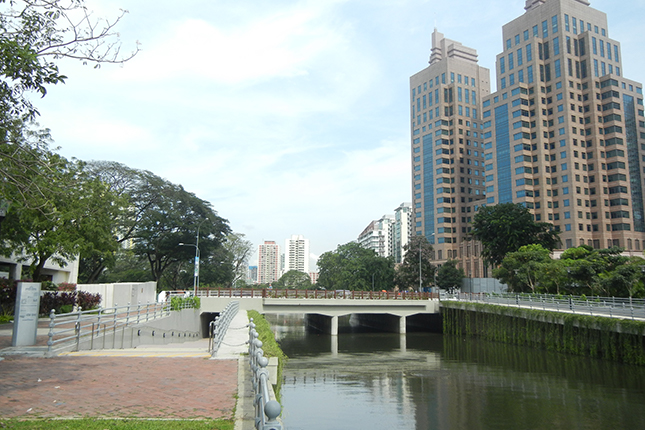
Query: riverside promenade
{"points": [[174, 381]]}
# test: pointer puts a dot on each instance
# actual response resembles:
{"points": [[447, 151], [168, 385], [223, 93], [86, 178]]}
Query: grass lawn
{"points": [[116, 424]]}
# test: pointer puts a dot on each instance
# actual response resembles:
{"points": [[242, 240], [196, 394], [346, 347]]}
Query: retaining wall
{"points": [[615, 339]]}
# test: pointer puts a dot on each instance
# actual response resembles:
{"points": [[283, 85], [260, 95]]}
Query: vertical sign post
{"points": [[25, 323]]}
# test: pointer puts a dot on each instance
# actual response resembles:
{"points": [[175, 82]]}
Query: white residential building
{"points": [[296, 254]]}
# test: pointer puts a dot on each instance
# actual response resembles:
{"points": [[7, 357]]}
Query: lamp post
{"points": [[197, 255]]}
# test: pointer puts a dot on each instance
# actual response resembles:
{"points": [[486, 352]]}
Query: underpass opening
{"points": [[205, 318]]}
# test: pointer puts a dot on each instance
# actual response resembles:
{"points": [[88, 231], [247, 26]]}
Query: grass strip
{"points": [[269, 345]]}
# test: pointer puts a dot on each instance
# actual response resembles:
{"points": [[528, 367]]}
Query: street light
{"points": [[197, 254]]}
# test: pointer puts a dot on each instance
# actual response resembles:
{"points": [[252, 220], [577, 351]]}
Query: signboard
{"points": [[25, 323]]}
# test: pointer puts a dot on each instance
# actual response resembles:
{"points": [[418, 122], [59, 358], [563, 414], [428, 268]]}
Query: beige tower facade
{"points": [[268, 262], [565, 133], [448, 177]]}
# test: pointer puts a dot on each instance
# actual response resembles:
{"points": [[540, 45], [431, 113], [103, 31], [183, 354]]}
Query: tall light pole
{"points": [[197, 255]]}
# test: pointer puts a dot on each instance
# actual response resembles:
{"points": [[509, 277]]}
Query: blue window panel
{"points": [[503, 149], [635, 173], [490, 200], [567, 227], [428, 186], [529, 53]]}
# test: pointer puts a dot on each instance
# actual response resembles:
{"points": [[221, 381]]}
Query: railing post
{"points": [[138, 312], [52, 324], [77, 327], [147, 310]]}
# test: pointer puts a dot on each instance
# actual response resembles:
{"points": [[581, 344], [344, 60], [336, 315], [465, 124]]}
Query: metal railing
{"points": [[218, 328], [89, 329], [243, 293], [266, 410], [613, 307]]}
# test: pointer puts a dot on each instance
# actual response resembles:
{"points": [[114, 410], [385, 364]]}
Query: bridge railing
{"points": [[243, 293], [219, 327], [615, 307], [267, 410]]}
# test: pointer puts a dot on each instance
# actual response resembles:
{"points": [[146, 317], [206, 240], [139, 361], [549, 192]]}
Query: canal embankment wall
{"points": [[621, 340]]}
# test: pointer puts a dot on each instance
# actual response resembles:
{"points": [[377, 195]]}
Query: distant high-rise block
{"points": [[296, 254], [268, 262]]}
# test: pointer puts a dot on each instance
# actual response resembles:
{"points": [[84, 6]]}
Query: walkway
{"points": [[175, 381]]}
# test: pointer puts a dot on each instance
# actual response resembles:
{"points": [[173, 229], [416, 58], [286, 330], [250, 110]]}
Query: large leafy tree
{"points": [[506, 228], [523, 270], [34, 35], [159, 215], [418, 253], [449, 276], [352, 267], [293, 280], [72, 217]]}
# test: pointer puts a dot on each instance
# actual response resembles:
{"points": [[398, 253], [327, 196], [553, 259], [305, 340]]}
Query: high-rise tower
{"points": [[565, 134], [268, 262], [447, 147], [296, 254]]}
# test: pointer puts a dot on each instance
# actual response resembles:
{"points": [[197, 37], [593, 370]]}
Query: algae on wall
{"points": [[601, 337]]}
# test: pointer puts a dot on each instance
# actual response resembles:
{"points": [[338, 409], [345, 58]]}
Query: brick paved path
{"points": [[117, 387]]}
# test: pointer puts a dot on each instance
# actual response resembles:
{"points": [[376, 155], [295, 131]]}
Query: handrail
{"points": [[69, 329], [243, 293], [219, 327], [613, 307], [266, 410]]}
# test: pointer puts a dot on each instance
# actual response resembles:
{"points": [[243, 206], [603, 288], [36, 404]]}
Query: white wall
{"points": [[123, 293]]}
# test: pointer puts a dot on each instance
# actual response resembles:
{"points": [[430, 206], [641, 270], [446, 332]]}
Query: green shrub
{"points": [[178, 303]]}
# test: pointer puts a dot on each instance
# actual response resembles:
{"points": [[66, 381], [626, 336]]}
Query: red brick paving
{"points": [[120, 387]]}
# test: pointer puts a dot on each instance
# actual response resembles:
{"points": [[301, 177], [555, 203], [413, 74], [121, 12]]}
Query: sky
{"points": [[288, 116]]}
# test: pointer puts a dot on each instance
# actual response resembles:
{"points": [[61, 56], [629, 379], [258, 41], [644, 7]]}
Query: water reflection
{"points": [[429, 381]]}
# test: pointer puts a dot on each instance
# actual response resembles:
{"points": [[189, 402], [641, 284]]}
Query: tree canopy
{"points": [[34, 36], [159, 215], [578, 271], [352, 267], [449, 276], [407, 274], [293, 280], [73, 217], [506, 227]]}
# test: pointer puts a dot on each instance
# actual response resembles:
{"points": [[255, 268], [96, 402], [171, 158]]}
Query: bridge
{"points": [[385, 311]]}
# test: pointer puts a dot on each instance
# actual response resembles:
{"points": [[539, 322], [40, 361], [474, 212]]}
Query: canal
{"points": [[362, 380]]}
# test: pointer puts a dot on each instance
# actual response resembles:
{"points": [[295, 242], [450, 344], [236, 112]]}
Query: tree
{"points": [[239, 250], [180, 217], [293, 280], [506, 227], [449, 276], [33, 34], [352, 267], [407, 274], [74, 216], [522, 270], [159, 215]]}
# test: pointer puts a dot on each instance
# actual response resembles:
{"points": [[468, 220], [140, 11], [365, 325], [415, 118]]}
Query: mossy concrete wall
{"points": [[601, 337]]}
